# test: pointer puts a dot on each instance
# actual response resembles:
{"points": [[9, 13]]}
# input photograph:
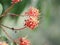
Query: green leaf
{"points": [[19, 7], [1, 9]]}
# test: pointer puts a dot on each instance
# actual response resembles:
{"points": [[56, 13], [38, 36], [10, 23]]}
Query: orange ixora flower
{"points": [[3, 43], [33, 12], [31, 23], [15, 1], [24, 41]]}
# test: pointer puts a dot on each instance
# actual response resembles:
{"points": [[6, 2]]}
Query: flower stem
{"points": [[12, 14], [13, 28], [16, 41]]}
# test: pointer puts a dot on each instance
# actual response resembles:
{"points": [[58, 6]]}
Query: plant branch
{"points": [[12, 14], [16, 41], [7, 10], [13, 28]]}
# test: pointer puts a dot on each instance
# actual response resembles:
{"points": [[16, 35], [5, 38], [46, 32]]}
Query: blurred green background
{"points": [[48, 31]]}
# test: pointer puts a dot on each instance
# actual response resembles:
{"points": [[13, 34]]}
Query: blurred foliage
{"points": [[1, 9]]}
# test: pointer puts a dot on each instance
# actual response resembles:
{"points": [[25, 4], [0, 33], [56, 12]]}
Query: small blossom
{"points": [[33, 12], [31, 23], [24, 41], [15, 1], [3, 43]]}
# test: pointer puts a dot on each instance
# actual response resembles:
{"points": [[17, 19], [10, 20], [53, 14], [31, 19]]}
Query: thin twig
{"points": [[9, 35], [13, 28], [7, 10], [12, 14]]}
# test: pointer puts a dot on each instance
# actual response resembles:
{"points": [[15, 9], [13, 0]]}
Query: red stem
{"points": [[13, 28], [7, 10], [16, 41]]}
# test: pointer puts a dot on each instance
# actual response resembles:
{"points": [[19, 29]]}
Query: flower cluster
{"points": [[24, 41], [33, 12], [32, 21], [15, 1]]}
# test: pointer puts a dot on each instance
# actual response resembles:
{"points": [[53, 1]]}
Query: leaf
{"points": [[1, 9], [19, 7]]}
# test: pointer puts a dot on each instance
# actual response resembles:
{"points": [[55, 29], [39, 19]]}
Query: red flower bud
{"points": [[15, 1], [31, 23], [33, 12], [24, 41]]}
